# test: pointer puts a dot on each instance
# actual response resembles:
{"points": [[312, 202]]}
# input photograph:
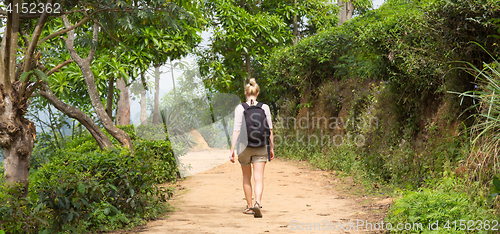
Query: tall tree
{"points": [[246, 32], [156, 104], [123, 102], [84, 64], [23, 73], [242, 33], [117, 67], [16, 132], [347, 8], [157, 46], [144, 116], [61, 87]]}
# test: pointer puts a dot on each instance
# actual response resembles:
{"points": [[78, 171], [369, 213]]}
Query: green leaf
{"points": [[25, 75], [81, 188], [398, 211], [40, 75], [274, 39], [113, 187], [156, 42], [37, 208], [70, 217], [76, 205], [496, 183], [131, 192], [492, 196]]}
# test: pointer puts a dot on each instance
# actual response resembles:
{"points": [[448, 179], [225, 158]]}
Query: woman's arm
{"points": [[236, 134], [271, 145], [238, 119]]}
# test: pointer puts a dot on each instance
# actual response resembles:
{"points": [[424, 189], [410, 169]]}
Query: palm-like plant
{"points": [[483, 161]]}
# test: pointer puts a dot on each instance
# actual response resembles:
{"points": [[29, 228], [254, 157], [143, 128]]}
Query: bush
{"points": [[408, 45], [160, 159], [44, 147], [445, 203], [97, 190], [19, 215], [82, 189], [342, 157]]}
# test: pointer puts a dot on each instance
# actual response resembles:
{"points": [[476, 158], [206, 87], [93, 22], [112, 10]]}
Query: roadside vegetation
{"points": [[417, 83], [402, 98], [79, 188]]}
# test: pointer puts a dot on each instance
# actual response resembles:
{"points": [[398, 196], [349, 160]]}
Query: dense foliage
{"points": [[82, 189], [246, 32], [403, 85], [445, 207], [401, 45], [402, 66]]}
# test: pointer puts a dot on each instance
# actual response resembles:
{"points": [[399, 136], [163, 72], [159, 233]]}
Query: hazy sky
{"points": [[377, 3]]}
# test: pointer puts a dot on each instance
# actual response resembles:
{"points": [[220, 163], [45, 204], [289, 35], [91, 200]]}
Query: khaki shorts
{"points": [[252, 155]]}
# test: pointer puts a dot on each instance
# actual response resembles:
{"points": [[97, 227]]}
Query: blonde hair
{"points": [[252, 88]]}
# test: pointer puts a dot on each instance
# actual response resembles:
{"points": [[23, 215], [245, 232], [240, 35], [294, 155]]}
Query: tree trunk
{"points": [[345, 11], [247, 63], [88, 75], [17, 137], [247, 66], [53, 129], [109, 100], [173, 79], [75, 113], [17, 134], [123, 105], [156, 104], [144, 115], [295, 29]]}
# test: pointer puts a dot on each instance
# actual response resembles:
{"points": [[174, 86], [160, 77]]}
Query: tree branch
{"points": [[31, 90], [31, 47], [71, 40], [56, 68], [34, 39], [25, 36], [107, 32], [75, 113], [3, 46], [11, 33], [95, 40], [68, 28]]}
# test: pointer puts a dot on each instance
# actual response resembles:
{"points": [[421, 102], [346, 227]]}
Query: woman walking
{"points": [[256, 156]]}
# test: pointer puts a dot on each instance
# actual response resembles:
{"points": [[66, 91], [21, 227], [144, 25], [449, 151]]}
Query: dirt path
{"points": [[294, 198]]}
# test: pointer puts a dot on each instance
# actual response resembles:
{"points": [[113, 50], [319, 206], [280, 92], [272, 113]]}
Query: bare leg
{"points": [[247, 183], [258, 175]]}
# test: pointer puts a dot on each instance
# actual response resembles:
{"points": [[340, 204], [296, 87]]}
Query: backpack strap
{"points": [[245, 106]]}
